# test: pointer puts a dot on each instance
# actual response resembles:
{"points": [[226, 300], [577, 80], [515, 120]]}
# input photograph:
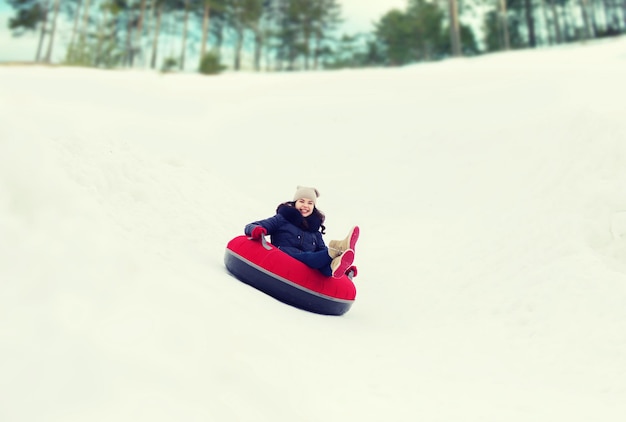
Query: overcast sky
{"points": [[358, 14]]}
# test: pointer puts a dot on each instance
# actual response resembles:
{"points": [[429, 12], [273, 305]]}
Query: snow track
{"points": [[492, 260]]}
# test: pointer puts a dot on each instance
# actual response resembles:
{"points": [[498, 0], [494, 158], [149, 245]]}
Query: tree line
{"points": [[299, 34], [282, 34]]}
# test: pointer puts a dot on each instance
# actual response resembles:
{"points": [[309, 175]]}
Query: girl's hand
{"points": [[258, 232]]}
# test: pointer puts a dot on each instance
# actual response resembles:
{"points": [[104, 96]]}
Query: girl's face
{"points": [[305, 206]]}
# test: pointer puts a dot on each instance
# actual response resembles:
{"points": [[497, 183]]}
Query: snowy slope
{"points": [[492, 262]]}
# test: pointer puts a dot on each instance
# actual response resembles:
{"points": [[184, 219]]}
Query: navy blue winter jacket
{"points": [[290, 231]]}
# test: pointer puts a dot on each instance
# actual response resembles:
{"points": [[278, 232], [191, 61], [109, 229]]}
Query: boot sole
{"points": [[347, 258], [354, 237]]}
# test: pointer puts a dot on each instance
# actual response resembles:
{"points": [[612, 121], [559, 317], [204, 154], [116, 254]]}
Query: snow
{"points": [[492, 258]]}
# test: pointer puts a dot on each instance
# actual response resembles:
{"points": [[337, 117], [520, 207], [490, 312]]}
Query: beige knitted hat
{"points": [[306, 192]]}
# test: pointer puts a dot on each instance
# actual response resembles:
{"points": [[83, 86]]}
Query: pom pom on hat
{"points": [[306, 192]]}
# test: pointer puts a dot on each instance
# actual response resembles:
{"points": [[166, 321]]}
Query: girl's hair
{"points": [[316, 212]]}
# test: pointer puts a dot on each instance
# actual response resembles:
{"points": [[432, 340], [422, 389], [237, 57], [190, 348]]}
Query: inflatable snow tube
{"points": [[266, 268]]}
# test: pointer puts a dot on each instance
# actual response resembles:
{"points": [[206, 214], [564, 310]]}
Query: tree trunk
{"points": [[568, 20], [610, 15], [139, 34], [258, 48], [129, 41], [57, 3], [546, 23], [316, 52], [617, 14], [219, 36], [97, 59], [238, 47], [585, 14], [269, 65], [455, 35], [595, 30], [530, 23], [83, 30], [155, 39], [44, 29], [205, 27], [557, 24], [504, 19], [307, 47], [74, 30], [184, 45]]}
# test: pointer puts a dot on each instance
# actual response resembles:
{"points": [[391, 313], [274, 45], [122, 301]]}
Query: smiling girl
{"points": [[297, 230]]}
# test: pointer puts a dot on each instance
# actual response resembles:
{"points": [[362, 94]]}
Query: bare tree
{"points": [[455, 33], [557, 23], [530, 23], [504, 22], [57, 4], [585, 14], [205, 26], [139, 33], [185, 29], [43, 30], [157, 31]]}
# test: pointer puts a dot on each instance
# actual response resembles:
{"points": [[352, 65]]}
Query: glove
{"points": [[258, 232]]}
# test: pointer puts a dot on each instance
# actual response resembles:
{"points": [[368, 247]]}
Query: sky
{"points": [[491, 262], [359, 16]]}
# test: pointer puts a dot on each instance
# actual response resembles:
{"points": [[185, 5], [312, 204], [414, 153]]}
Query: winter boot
{"points": [[341, 264], [333, 252], [336, 247]]}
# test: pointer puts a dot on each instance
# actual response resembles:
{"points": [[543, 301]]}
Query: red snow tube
{"points": [[266, 268]]}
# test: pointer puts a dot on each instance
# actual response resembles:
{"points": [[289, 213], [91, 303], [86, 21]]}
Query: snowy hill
{"points": [[492, 261]]}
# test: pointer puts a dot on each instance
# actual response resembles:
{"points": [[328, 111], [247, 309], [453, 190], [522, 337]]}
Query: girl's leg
{"points": [[337, 247], [319, 260]]}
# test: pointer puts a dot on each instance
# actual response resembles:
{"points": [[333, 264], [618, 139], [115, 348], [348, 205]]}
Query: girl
{"points": [[297, 230]]}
